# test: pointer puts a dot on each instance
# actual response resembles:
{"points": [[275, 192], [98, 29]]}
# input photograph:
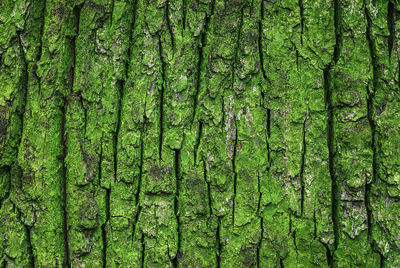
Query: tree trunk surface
{"points": [[199, 133]]}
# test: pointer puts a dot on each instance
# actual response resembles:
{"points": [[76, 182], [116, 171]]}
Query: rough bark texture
{"points": [[199, 133]]}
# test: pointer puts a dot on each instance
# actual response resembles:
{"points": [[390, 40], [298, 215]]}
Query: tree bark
{"points": [[142, 133]]}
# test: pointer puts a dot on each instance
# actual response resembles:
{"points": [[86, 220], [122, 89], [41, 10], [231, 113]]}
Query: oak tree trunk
{"points": [[199, 133]]}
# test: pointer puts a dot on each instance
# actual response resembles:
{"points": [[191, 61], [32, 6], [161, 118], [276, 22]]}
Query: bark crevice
{"points": [[391, 24], [200, 47], [302, 166], [372, 123], [176, 205], [327, 73], [161, 101]]}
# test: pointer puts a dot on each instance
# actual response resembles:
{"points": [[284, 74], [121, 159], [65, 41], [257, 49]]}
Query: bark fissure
{"points": [[107, 208], [391, 24], [303, 161], [372, 123], [76, 13], [143, 251], [327, 73], [329, 255], [301, 7], [112, 11], [84, 114], [235, 175], [259, 245], [218, 242], [268, 136], [64, 185], [235, 127], [171, 34], [40, 45], [183, 16], [208, 188], [176, 204], [139, 184], [335, 190], [196, 146], [200, 60], [161, 102], [260, 36], [120, 85]]}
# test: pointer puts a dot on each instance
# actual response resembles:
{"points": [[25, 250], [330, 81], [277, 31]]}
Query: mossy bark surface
{"points": [[199, 133]]}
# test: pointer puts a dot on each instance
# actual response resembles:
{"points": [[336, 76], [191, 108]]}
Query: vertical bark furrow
{"points": [[66, 262], [161, 105], [335, 187], [371, 119], [301, 7], [303, 163], [176, 205], [391, 25], [200, 47], [329, 91]]}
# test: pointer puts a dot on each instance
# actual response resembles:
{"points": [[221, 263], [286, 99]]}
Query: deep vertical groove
{"points": [[234, 174], [315, 225], [39, 55], [391, 26], [200, 60], [260, 242], [301, 7], [143, 251], [208, 188], [259, 195], [335, 189], [64, 186], [161, 103], [103, 227], [107, 208], [171, 34], [329, 256], [120, 85], [338, 22], [84, 114], [77, 13], [30, 248], [218, 242], [269, 136], [139, 185], [335, 181], [372, 123], [112, 11], [260, 36], [237, 47], [303, 161], [176, 204], [196, 146], [236, 129], [121, 94], [183, 15]]}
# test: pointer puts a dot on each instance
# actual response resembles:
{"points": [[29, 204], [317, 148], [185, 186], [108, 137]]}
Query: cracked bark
{"points": [[177, 133]]}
